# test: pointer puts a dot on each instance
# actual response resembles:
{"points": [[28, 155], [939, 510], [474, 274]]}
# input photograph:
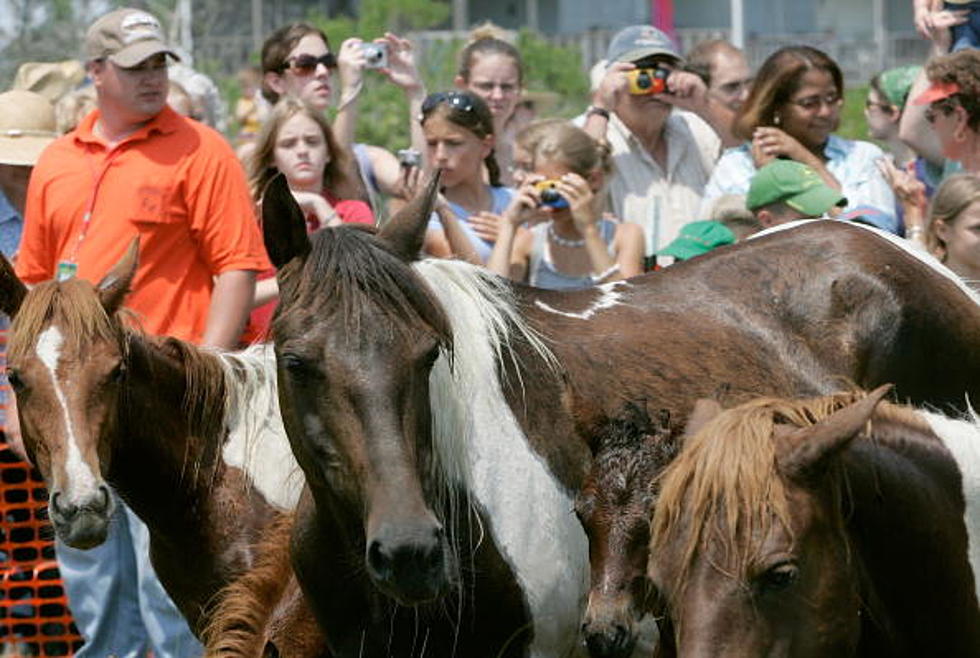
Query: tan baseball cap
{"points": [[27, 125], [126, 37]]}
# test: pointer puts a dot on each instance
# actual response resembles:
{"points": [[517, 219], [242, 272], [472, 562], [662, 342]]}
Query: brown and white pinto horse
{"points": [[422, 396], [190, 439], [821, 528]]}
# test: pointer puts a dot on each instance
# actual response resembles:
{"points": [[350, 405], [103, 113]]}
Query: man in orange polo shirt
{"points": [[135, 168]]}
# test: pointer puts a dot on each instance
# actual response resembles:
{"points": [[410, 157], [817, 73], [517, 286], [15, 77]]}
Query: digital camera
{"points": [[376, 54], [549, 194], [647, 81], [409, 158]]}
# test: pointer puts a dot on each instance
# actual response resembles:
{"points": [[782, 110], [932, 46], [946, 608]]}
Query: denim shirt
{"points": [[11, 227], [853, 164]]}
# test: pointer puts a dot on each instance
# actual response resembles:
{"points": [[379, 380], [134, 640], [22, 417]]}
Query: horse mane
{"points": [[352, 274], [485, 322], [74, 305], [724, 486], [238, 623]]}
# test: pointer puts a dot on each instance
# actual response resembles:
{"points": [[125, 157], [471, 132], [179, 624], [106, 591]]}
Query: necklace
{"points": [[563, 242]]}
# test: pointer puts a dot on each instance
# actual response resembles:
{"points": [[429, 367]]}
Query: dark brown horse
{"points": [[190, 439], [423, 399], [821, 528]]}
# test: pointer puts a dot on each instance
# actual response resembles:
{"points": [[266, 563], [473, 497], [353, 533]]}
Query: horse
{"points": [[416, 393], [614, 507], [191, 439], [830, 526]]}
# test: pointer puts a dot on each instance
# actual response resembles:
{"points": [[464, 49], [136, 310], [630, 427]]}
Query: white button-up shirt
{"points": [[640, 191]]}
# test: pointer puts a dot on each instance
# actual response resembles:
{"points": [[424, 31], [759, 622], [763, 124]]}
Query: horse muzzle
{"points": [[609, 629], [409, 564], [83, 524]]}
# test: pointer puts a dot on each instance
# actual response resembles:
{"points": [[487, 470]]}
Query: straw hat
{"points": [[50, 79], [27, 125]]}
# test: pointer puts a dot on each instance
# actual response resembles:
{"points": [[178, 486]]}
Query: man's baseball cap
{"points": [[638, 41], [698, 238], [794, 184], [126, 37], [937, 91]]}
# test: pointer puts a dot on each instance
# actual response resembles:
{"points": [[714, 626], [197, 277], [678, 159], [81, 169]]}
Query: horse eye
{"points": [[297, 365], [778, 577], [117, 373], [13, 376]]}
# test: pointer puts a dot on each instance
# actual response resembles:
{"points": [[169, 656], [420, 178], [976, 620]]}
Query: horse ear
{"points": [[12, 289], [704, 411], [813, 447], [405, 232], [115, 285], [283, 223]]}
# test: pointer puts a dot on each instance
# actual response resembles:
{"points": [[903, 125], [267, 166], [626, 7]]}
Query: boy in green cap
{"points": [[786, 190]]}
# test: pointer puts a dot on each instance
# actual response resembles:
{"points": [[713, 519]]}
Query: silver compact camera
{"points": [[409, 158], [376, 54]]}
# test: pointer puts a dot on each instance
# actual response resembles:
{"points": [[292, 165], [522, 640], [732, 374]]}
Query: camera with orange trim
{"points": [[644, 82]]}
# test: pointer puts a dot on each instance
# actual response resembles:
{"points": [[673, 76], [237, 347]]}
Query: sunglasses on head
{"points": [[306, 64], [453, 99]]}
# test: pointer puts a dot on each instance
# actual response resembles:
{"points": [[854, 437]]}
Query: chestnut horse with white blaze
{"points": [[827, 527], [442, 415], [191, 439]]}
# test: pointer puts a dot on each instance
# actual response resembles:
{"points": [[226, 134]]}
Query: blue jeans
{"points": [[119, 606], [966, 35]]}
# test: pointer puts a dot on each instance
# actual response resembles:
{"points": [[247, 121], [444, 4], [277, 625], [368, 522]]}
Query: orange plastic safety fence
{"points": [[34, 615]]}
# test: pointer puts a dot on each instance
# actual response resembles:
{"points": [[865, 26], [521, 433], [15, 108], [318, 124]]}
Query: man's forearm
{"points": [[231, 301]]}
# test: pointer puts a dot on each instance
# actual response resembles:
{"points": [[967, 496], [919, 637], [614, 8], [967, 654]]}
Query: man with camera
{"points": [[658, 121]]}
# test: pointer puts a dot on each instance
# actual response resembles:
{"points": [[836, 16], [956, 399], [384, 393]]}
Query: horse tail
{"points": [[238, 627]]}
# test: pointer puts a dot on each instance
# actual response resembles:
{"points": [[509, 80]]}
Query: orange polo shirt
{"points": [[176, 184]]}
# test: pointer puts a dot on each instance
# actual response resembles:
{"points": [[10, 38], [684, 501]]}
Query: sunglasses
{"points": [[454, 99], [307, 64]]}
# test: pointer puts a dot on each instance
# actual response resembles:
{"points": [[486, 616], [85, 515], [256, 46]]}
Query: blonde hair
{"points": [[558, 140], [952, 198], [71, 108], [488, 39], [261, 165]]}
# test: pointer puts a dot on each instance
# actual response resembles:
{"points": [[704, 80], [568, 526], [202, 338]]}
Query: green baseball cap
{"points": [[698, 238], [794, 184]]}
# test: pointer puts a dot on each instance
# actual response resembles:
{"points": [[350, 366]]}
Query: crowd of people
{"points": [[672, 156]]}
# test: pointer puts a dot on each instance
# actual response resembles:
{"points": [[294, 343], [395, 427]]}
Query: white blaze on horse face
{"points": [[962, 439], [81, 483], [607, 296]]}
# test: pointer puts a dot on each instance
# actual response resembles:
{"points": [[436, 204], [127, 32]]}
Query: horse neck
{"points": [[161, 464]]}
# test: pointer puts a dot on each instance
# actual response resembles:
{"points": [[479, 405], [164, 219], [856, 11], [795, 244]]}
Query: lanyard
{"points": [[97, 178]]}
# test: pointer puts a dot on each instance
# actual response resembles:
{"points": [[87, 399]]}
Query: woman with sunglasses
{"points": [[459, 140], [297, 61], [792, 112], [492, 69]]}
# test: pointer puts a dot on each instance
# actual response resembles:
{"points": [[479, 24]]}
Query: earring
{"points": [[775, 119]]}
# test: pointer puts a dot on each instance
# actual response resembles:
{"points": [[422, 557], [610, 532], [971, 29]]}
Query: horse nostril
{"points": [[377, 560], [56, 507], [104, 493]]}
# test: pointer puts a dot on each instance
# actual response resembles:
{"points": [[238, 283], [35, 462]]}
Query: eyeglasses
{"points": [[454, 99], [307, 64], [813, 103]]}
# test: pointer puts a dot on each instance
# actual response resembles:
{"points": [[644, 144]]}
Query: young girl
{"points": [[577, 246], [297, 141], [459, 139], [953, 232], [492, 69]]}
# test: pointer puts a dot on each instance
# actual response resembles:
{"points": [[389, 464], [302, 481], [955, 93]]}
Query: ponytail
{"points": [[493, 169]]}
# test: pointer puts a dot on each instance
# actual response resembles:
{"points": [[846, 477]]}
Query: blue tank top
{"points": [[541, 269]]}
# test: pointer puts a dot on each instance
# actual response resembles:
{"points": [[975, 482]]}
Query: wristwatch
{"points": [[601, 111]]}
